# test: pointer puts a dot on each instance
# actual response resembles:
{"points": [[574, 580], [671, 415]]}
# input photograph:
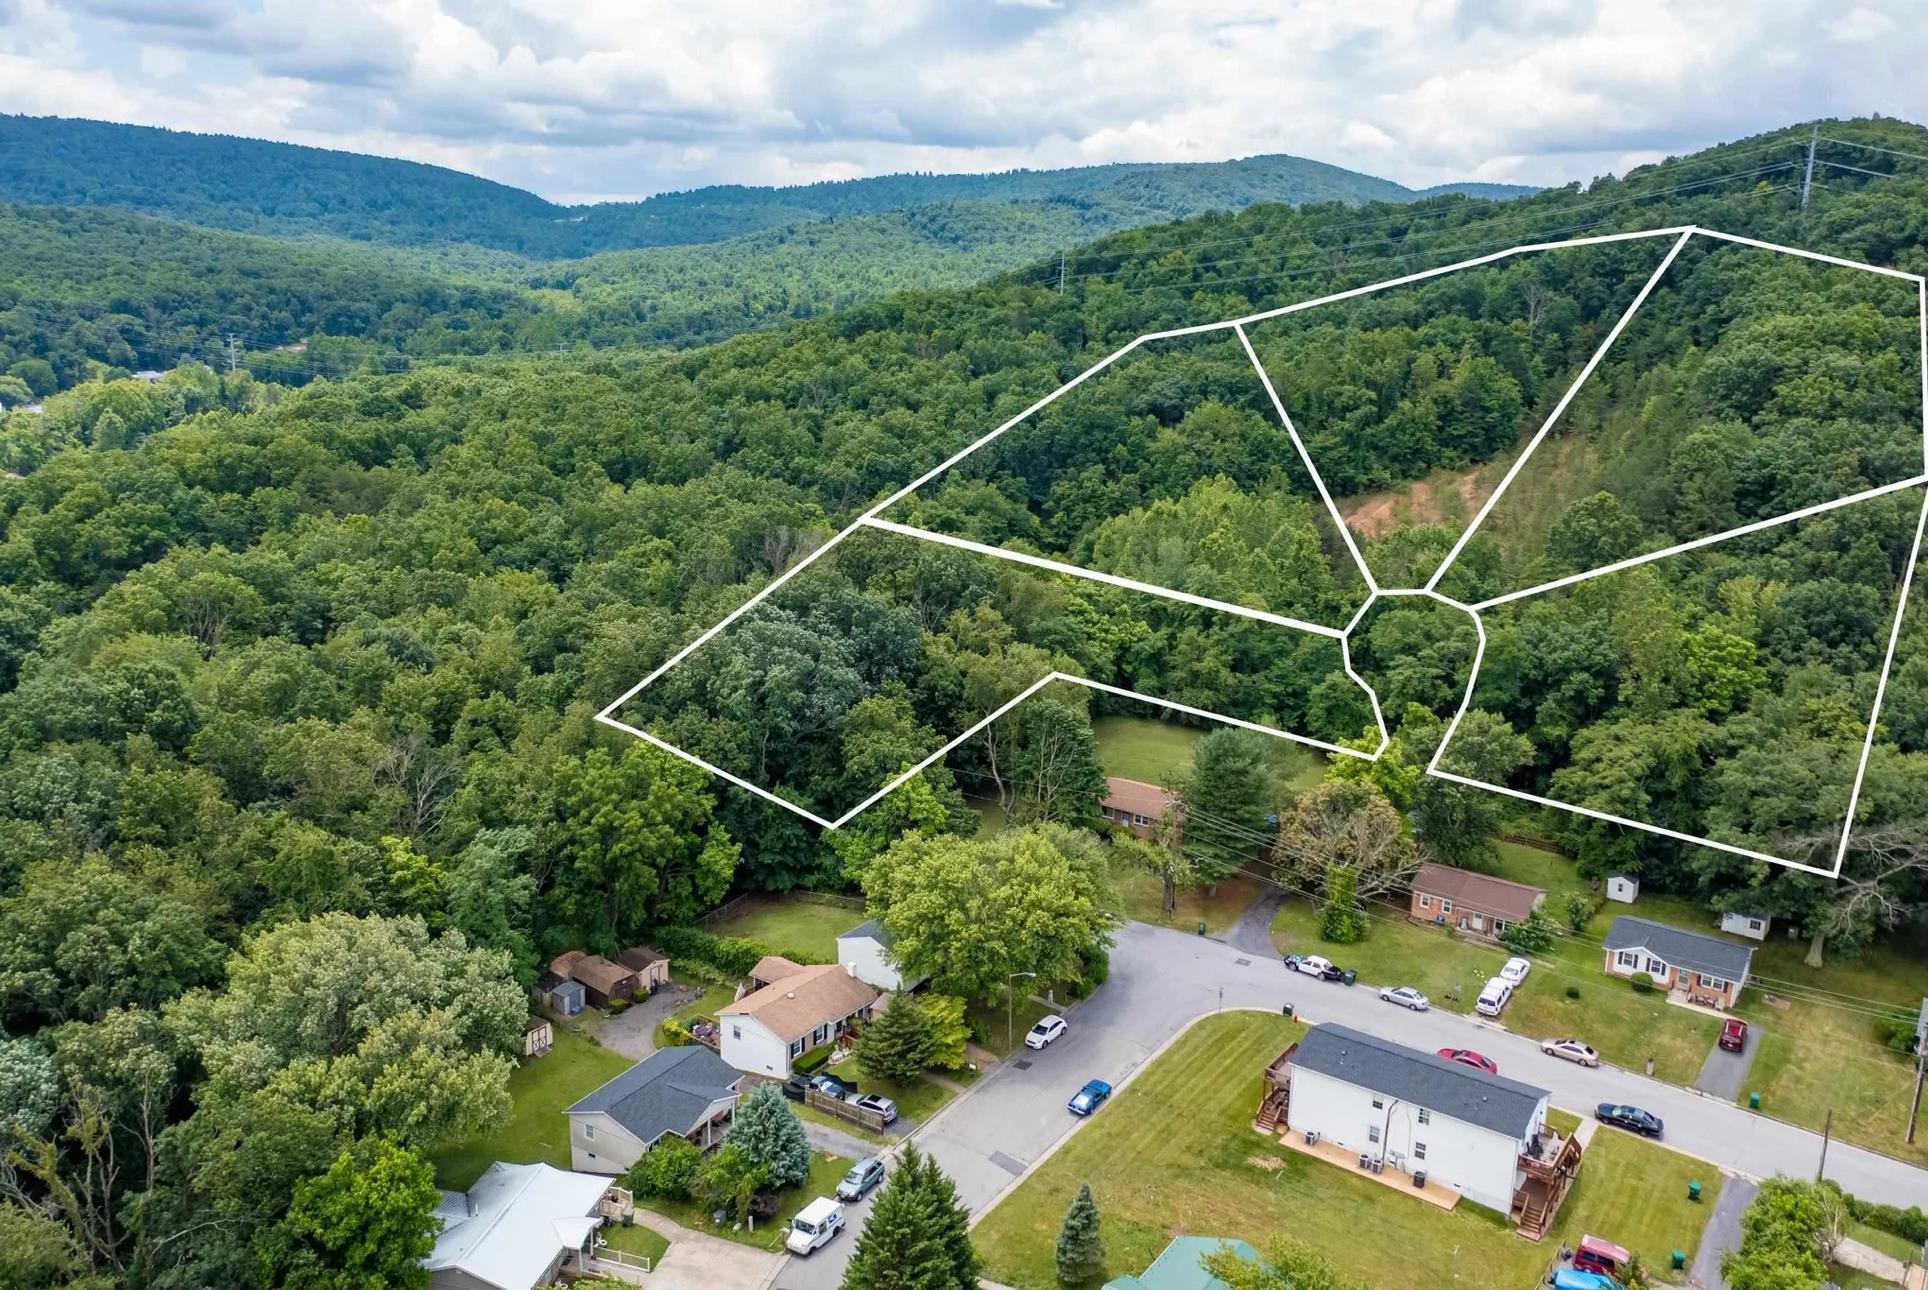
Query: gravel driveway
{"points": [[632, 1032]]}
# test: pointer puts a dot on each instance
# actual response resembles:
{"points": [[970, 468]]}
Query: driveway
{"points": [[698, 1261], [1722, 1233], [632, 1032], [1251, 932], [1162, 979], [1724, 1074]]}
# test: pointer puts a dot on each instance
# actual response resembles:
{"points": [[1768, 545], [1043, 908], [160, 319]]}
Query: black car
{"points": [[1630, 1118], [794, 1087]]}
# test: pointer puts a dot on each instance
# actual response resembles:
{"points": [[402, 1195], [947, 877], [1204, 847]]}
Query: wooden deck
{"points": [[1347, 1159], [1550, 1167]]}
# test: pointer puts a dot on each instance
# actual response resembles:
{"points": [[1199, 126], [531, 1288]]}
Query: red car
{"points": [[1733, 1035], [1467, 1057]]}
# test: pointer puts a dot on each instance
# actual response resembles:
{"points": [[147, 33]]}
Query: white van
{"points": [[820, 1220], [1493, 997]]}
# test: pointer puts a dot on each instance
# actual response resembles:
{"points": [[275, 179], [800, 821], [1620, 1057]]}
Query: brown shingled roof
{"points": [[774, 967], [798, 1004], [1480, 892], [1137, 798]]}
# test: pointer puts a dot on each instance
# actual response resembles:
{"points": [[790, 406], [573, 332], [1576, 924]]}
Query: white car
{"points": [[1570, 1049], [814, 1226], [1047, 1029], [1406, 997], [1313, 965], [1515, 971]]}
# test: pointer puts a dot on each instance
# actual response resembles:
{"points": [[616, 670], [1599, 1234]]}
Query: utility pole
{"points": [[1921, 1067], [1061, 273], [234, 360], [1827, 1131], [1807, 179]]}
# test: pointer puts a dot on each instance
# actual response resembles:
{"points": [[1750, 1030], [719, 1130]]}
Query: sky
{"points": [[584, 100]]}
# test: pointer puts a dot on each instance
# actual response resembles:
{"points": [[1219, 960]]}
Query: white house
{"points": [[1415, 1111], [772, 1026], [517, 1228], [865, 951], [1752, 926], [1624, 888], [686, 1092]]}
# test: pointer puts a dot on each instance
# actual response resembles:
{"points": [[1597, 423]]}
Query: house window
{"points": [[1499, 926], [1378, 1105], [1372, 1133], [796, 1048], [1445, 905], [1753, 924], [589, 1132], [1425, 1116], [1655, 967], [1425, 901], [1629, 959], [736, 1032], [1419, 1151], [1712, 982]]}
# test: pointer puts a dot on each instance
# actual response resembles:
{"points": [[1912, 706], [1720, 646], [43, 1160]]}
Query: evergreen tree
{"points": [[951, 1221], [770, 1134], [1340, 921], [1227, 792], [917, 1236], [898, 1044], [1081, 1250]]}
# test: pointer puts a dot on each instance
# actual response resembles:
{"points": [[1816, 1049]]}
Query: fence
{"points": [[862, 1117]]}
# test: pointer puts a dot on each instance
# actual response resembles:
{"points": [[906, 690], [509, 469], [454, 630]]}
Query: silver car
{"points": [[876, 1102], [1571, 1050], [1406, 997]]}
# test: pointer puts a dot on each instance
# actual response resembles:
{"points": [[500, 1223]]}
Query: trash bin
{"points": [[1679, 1260], [1287, 1010], [1693, 1191], [1753, 1101], [1201, 928], [1348, 976]]}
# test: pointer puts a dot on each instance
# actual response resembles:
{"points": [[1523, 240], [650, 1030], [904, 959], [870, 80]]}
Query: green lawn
{"points": [[1024, 1014], [826, 1171], [638, 1240], [536, 1132], [1143, 748], [917, 1101], [1435, 962], [802, 927], [1218, 908], [1849, 1279], [1897, 1247], [1634, 1192], [1175, 1152]]}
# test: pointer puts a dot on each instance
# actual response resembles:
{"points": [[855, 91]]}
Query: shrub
{"points": [[1643, 983], [665, 1170], [899, 1044], [1080, 1253], [1097, 968], [1531, 935], [812, 1061], [617, 1005], [1573, 992], [673, 1034], [1909, 1224], [1895, 1033], [732, 955], [1579, 911], [1339, 919]]}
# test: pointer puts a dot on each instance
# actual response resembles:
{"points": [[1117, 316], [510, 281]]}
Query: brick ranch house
{"points": [[1135, 805], [1701, 969], [1477, 904]]}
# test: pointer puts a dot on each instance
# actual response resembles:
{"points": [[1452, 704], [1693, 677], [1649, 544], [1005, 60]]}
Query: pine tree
{"points": [[897, 1044], [1081, 1250], [899, 1247], [951, 1223], [769, 1133]]}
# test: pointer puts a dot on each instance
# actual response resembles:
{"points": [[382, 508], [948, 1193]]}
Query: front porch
{"points": [[1549, 1163]]}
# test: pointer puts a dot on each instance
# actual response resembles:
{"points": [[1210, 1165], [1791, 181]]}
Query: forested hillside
{"points": [[297, 685]]}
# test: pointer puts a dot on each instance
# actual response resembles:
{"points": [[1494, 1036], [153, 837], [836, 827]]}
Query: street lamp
{"points": [[1010, 1005]]}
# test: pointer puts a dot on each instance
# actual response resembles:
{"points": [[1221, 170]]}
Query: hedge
{"points": [[735, 955], [1909, 1224]]}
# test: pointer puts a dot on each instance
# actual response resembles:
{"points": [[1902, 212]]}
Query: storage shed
{"points": [[537, 1035], [561, 994], [1623, 887]]}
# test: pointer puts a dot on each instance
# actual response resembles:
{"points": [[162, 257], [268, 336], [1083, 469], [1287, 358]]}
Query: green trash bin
{"points": [[1201, 929], [1288, 1009], [1693, 1191], [1753, 1101], [1679, 1260]]}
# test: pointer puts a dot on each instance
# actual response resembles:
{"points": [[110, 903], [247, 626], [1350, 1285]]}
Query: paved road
{"points": [[1162, 979]]}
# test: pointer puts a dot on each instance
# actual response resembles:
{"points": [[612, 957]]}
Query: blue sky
{"points": [[591, 99]]}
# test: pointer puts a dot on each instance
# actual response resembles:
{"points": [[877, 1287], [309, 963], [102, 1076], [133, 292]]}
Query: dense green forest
{"points": [[301, 777]]}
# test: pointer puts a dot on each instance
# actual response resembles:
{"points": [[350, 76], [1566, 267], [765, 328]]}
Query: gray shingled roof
{"points": [[1420, 1078], [1681, 948], [869, 927], [666, 1092]]}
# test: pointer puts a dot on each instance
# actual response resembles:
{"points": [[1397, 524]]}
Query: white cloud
{"points": [[621, 97]]}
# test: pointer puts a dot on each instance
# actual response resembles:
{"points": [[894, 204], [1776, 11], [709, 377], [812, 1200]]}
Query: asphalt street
{"points": [[1162, 979]]}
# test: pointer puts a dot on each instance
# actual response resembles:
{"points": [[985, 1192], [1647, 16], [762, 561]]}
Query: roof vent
{"points": [[791, 995]]}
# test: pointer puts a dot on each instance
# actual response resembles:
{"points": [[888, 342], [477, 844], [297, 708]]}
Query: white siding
{"points": [[599, 1145], [1479, 1163], [865, 958], [1749, 925], [749, 1045]]}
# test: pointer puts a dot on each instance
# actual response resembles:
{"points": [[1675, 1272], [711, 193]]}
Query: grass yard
{"points": [[1848, 1279], [1143, 748], [791, 927], [536, 1132], [1813, 1058], [1895, 1247], [1435, 962], [1024, 1014], [637, 1240], [1635, 1193], [1625, 1027], [1143, 897], [1175, 1152], [826, 1171], [1564, 1123]]}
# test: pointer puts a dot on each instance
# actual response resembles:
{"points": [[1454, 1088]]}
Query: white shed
{"points": [[1623, 887], [1752, 926], [865, 951]]}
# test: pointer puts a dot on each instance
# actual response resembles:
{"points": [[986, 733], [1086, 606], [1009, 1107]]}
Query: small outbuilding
{"points": [[1752, 926], [1623, 887], [864, 951], [559, 993], [650, 965], [601, 980], [537, 1035]]}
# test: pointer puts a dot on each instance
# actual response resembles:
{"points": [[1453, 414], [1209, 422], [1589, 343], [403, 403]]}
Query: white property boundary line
{"points": [[1682, 235]]}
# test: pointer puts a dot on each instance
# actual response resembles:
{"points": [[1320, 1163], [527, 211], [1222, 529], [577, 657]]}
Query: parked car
{"points": [[1313, 965], [1599, 1255], [1733, 1035], [1631, 1118], [830, 1086], [1515, 971], [1577, 1279], [1570, 1050], [876, 1102], [795, 1087], [814, 1226], [863, 1176], [1406, 997], [1467, 1057], [1493, 998], [1047, 1029], [1089, 1098]]}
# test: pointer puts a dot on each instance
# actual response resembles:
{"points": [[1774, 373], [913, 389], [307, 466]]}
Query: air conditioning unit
{"points": [[1311, 1137], [1419, 1178], [1365, 1160], [1378, 1166]]}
